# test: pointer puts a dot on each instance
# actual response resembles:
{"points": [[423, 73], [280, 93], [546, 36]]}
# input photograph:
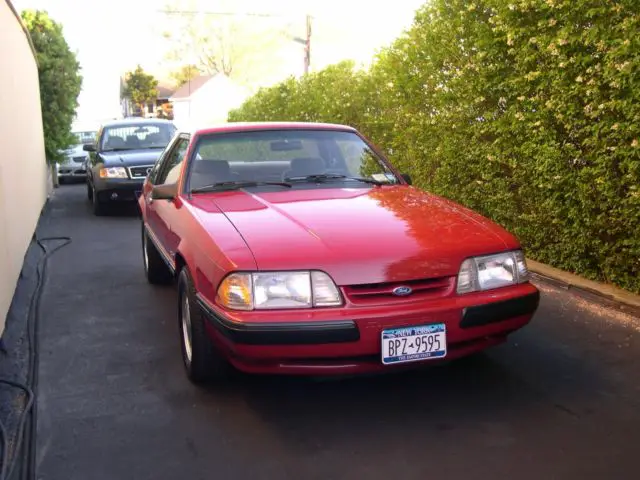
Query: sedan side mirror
{"points": [[406, 177], [89, 147], [166, 191]]}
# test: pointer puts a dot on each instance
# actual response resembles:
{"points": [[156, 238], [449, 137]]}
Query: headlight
{"points": [[492, 271], [113, 172], [273, 290]]}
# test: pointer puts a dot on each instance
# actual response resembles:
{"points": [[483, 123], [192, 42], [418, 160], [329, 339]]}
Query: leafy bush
{"points": [[60, 82], [527, 111]]}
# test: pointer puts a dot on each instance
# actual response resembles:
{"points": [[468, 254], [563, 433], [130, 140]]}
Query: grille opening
{"points": [[139, 172], [371, 293]]}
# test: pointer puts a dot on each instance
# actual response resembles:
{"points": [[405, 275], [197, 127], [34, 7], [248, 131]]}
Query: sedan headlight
{"points": [[113, 172], [273, 290], [492, 271]]}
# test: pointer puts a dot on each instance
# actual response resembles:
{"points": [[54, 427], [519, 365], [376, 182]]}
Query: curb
{"points": [[607, 295]]}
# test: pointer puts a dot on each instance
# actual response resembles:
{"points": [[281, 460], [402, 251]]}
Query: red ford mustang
{"points": [[299, 249]]}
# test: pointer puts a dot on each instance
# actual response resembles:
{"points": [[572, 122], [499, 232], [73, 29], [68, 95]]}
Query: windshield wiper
{"points": [[332, 176], [120, 149], [234, 185]]}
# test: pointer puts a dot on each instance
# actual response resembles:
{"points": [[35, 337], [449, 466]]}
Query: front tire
{"points": [[99, 208], [155, 269], [203, 363]]}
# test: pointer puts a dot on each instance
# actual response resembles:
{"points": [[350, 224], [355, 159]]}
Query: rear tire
{"points": [[89, 192], [155, 269], [203, 363]]}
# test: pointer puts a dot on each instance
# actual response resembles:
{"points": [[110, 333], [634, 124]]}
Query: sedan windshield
{"points": [[297, 157], [84, 137], [137, 136]]}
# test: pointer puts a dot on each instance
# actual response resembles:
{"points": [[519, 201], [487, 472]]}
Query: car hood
{"points": [[359, 235], [130, 158], [74, 150], [74, 154]]}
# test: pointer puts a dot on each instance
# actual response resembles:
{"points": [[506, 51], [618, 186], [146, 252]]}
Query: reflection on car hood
{"points": [[73, 153], [130, 158], [356, 235], [74, 150]]}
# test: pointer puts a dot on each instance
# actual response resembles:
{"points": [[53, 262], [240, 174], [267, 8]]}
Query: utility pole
{"points": [[307, 47]]}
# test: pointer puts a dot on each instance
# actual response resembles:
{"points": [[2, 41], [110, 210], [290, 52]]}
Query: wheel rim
{"points": [[186, 327], [145, 253]]}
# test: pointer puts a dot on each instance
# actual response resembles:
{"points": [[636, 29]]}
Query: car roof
{"points": [[136, 120], [261, 126]]}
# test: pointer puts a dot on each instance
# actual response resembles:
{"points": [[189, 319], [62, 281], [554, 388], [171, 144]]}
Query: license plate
{"points": [[411, 344]]}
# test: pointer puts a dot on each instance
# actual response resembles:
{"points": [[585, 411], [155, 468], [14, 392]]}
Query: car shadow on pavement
{"points": [[118, 210], [480, 390]]}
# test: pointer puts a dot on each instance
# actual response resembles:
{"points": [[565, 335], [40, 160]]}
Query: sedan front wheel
{"points": [[202, 361]]}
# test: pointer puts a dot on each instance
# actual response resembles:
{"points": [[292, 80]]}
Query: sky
{"points": [[112, 37]]}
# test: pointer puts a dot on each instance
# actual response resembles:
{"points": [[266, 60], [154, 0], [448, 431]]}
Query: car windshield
{"points": [[84, 137], [299, 157], [137, 136]]}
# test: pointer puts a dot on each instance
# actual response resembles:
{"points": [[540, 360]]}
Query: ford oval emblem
{"points": [[402, 291]]}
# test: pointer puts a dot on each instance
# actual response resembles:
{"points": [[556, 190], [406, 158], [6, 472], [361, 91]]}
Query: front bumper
{"points": [[71, 171], [117, 190], [347, 340]]}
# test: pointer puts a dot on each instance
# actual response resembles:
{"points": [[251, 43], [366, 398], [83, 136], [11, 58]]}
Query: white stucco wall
{"points": [[23, 171]]}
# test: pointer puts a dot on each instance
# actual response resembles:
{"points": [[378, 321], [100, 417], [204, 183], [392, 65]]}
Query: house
{"points": [[163, 106], [159, 108], [206, 99]]}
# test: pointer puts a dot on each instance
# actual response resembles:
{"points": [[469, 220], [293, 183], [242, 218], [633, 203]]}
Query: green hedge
{"points": [[527, 111]]}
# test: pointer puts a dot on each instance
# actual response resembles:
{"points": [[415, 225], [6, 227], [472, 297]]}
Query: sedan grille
{"points": [[140, 172], [378, 293]]}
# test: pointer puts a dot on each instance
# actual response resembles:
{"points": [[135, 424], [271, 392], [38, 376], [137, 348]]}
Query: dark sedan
{"points": [[124, 152]]}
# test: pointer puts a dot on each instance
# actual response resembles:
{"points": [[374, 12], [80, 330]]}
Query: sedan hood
{"points": [[358, 235], [130, 158]]}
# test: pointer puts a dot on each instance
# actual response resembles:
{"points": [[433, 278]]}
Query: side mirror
{"points": [[166, 191], [89, 147], [406, 177]]}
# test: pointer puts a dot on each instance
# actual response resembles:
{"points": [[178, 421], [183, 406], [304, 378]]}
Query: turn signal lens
{"points": [[325, 292], [467, 278], [523, 270], [235, 292]]}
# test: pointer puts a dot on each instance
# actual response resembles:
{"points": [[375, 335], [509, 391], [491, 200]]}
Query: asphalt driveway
{"points": [[561, 400]]}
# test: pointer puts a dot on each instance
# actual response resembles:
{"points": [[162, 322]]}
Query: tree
{"points": [[241, 47], [140, 87], [184, 74], [60, 82]]}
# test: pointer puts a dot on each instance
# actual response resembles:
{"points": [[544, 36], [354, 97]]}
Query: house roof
{"points": [[165, 91], [189, 88]]}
